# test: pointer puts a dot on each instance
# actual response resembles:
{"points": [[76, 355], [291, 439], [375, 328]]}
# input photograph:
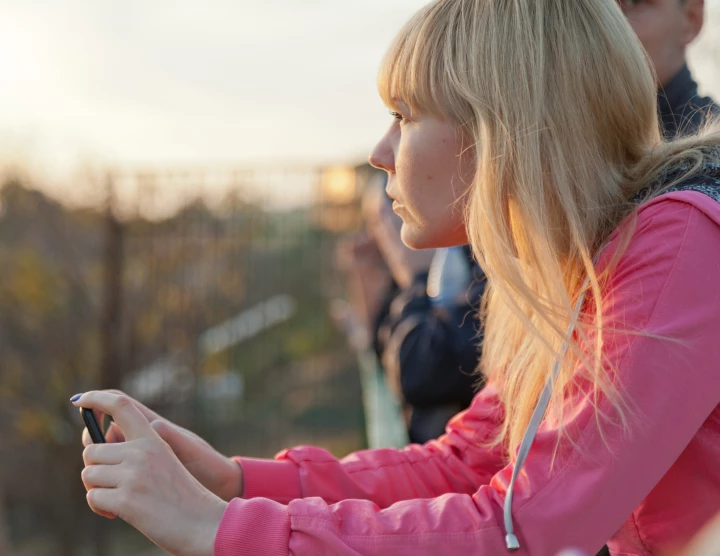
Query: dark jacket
{"points": [[682, 110], [431, 353], [435, 352]]}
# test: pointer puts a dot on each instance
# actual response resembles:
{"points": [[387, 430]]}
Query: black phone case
{"points": [[93, 427]]}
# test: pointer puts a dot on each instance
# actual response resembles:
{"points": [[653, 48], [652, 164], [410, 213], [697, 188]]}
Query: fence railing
{"points": [[202, 298]]}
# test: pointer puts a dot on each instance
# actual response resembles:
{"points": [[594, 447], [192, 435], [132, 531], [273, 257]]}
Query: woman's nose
{"points": [[382, 156]]}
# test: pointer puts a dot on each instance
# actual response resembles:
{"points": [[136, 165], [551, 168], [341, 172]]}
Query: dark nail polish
{"points": [[76, 397]]}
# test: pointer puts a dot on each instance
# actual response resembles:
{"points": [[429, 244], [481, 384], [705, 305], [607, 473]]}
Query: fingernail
{"points": [[76, 397]]}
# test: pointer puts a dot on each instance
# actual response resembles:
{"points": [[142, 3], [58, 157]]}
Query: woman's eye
{"points": [[397, 116]]}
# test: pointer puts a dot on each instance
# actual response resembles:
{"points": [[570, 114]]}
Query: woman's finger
{"points": [[103, 501], [104, 476], [149, 414], [124, 412], [105, 454]]}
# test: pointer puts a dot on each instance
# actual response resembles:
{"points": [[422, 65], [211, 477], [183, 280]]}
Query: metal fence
{"points": [[203, 293]]}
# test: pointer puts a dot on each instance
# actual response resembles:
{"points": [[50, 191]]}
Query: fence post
{"points": [[111, 365]]}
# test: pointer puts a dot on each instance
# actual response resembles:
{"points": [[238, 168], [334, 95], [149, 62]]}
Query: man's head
{"points": [[666, 28]]}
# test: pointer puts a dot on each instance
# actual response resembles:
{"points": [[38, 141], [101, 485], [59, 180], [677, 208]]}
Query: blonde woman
{"points": [[529, 129]]}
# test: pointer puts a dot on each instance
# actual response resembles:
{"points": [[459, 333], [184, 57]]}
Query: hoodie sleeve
{"points": [[435, 499], [457, 462]]}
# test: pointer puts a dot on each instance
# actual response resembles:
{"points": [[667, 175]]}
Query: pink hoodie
{"points": [[656, 489]]}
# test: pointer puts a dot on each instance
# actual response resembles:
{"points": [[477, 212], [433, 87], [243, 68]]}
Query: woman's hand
{"points": [[142, 481], [219, 474]]}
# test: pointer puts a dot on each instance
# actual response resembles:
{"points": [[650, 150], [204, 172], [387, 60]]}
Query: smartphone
{"points": [[92, 425]]}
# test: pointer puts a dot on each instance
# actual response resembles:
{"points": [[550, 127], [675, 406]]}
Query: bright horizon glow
{"points": [[218, 82]]}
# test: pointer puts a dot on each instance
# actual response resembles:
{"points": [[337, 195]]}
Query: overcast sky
{"points": [[195, 82]]}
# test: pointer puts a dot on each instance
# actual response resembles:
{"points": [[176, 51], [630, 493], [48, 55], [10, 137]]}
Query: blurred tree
{"points": [[88, 298]]}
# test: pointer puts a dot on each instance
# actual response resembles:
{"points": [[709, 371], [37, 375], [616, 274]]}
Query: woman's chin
{"points": [[412, 237], [418, 239]]}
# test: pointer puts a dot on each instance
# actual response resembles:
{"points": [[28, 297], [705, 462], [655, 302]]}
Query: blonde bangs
{"points": [[416, 65]]}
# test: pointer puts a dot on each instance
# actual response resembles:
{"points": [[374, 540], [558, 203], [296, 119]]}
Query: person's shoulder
{"points": [[700, 190], [697, 113], [668, 237], [663, 225], [700, 194], [676, 222]]}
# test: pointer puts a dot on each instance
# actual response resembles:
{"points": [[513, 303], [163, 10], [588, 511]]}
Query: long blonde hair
{"points": [[557, 101]]}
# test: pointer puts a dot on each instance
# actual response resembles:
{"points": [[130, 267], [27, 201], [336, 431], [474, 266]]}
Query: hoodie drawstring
{"points": [[511, 540]]}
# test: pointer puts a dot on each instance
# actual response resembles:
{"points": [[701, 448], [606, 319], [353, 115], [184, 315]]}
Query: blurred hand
{"points": [[404, 263], [359, 249], [142, 481], [219, 474], [367, 278]]}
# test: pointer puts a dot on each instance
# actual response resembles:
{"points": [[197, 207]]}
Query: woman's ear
{"points": [[694, 11]]}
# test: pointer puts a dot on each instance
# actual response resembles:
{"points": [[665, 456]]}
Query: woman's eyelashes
{"points": [[397, 115]]}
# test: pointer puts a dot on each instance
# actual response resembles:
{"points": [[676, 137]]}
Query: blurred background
{"points": [[175, 178]]}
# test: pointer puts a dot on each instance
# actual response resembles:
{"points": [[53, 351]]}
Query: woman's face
{"points": [[427, 177]]}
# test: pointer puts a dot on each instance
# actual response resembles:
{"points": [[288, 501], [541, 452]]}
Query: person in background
{"points": [[366, 275], [367, 281], [431, 349], [666, 28]]}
